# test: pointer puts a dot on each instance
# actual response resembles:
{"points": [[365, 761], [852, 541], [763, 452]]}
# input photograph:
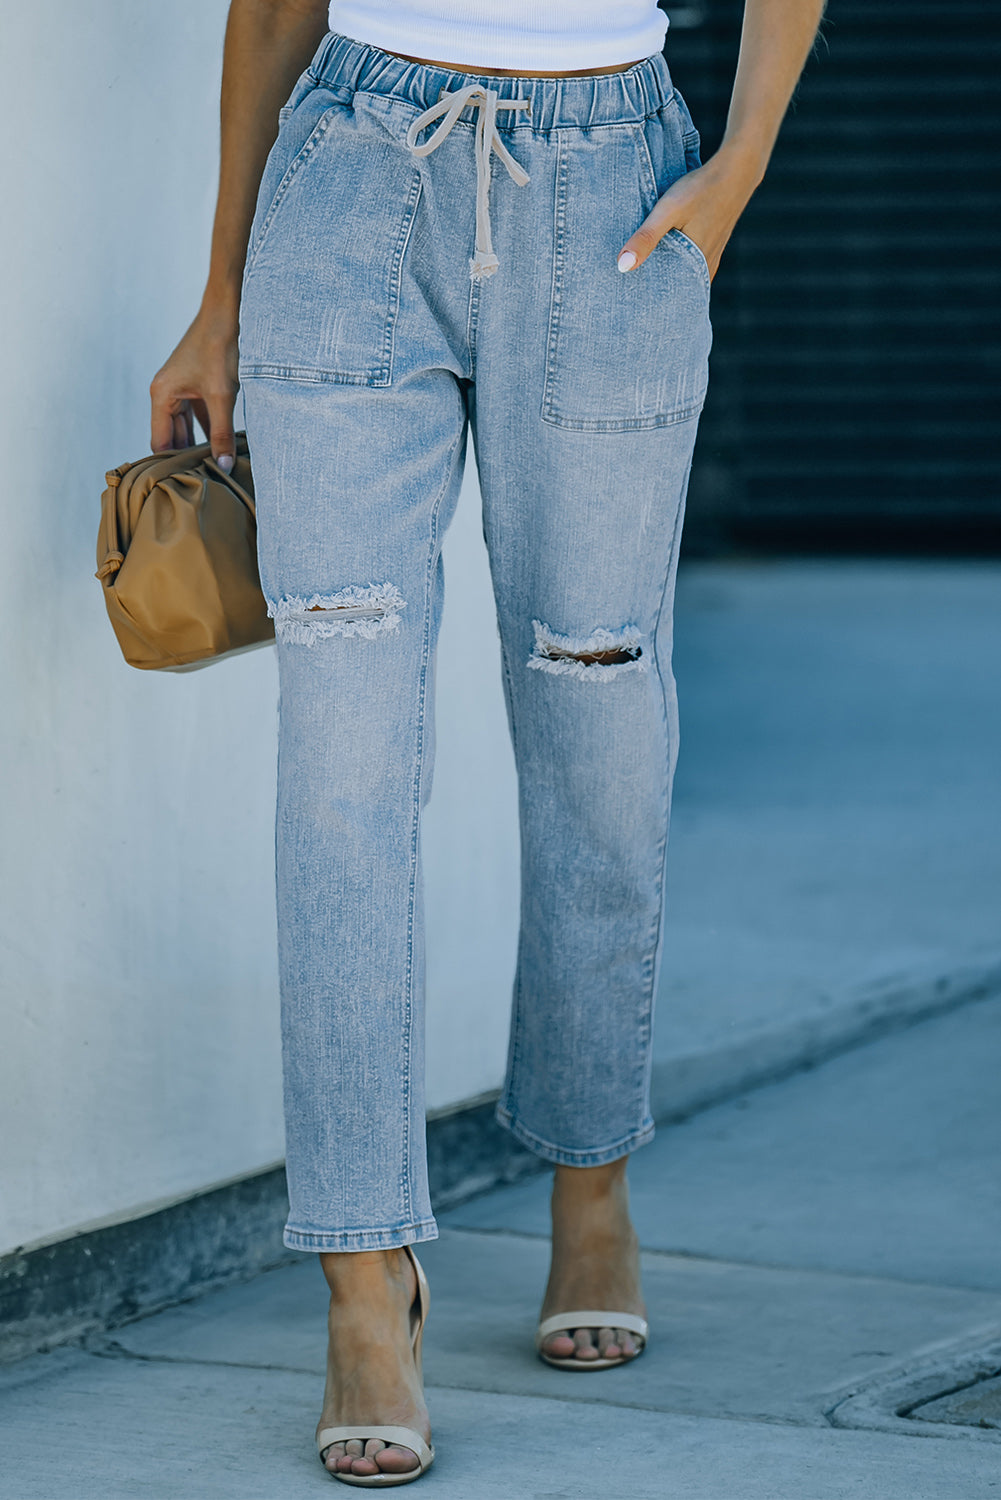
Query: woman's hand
{"points": [[704, 204], [268, 44], [775, 38], [199, 380]]}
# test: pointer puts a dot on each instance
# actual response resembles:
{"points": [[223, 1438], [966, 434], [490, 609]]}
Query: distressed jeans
{"points": [[393, 303]]}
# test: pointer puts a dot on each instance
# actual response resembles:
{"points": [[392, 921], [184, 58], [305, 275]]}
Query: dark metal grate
{"points": [[857, 363]]}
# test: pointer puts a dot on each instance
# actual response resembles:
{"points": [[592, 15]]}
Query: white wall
{"points": [[139, 1052]]}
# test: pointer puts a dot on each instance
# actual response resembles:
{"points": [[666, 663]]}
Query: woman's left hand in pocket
{"points": [[705, 205]]}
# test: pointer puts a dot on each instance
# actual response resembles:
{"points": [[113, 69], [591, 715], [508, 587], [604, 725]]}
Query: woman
{"points": [[491, 217]]}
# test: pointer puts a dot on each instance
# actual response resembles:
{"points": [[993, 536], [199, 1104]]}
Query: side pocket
{"points": [[321, 292], [279, 173], [625, 352], [694, 250]]}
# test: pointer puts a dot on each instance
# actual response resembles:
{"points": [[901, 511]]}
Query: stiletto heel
{"points": [[403, 1437]]}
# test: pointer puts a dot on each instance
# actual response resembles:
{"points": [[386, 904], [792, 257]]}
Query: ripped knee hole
{"points": [[589, 658], [367, 610], [601, 655]]}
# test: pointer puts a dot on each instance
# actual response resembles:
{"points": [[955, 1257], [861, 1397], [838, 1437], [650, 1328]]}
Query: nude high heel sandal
{"points": [[403, 1437], [588, 1318]]}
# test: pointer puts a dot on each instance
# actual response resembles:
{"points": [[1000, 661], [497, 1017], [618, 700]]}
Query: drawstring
{"points": [[451, 105]]}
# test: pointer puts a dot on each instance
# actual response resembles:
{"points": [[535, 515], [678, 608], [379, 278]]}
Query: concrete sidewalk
{"points": [[821, 1254], [835, 864]]}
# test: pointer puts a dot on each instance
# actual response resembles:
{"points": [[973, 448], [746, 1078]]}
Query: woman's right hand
{"points": [[199, 380]]}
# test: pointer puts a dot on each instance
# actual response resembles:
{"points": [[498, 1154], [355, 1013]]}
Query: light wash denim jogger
{"points": [[367, 348]]}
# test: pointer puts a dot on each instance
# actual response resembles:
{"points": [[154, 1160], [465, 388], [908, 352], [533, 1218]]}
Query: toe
{"points": [[584, 1345], [355, 1461], [609, 1346], [627, 1343], [365, 1468], [333, 1455], [396, 1460], [364, 1463], [559, 1345]]}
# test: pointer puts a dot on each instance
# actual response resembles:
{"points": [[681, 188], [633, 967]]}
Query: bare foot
{"points": [[371, 1375], [595, 1261]]}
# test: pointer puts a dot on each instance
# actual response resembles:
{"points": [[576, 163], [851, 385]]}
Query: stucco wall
{"points": [[139, 1056]]}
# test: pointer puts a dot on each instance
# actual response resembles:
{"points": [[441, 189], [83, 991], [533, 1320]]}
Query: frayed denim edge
{"points": [[367, 611], [569, 647]]}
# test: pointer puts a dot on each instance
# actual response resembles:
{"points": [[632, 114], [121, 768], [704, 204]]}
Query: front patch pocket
{"points": [[321, 290], [626, 350]]}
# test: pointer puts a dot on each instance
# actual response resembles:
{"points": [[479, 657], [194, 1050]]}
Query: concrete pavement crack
{"points": [[115, 1350]]}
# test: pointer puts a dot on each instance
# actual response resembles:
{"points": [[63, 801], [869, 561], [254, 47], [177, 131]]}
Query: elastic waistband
{"points": [[348, 67]]}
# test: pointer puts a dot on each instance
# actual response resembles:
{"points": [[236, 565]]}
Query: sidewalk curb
{"points": [[106, 1277], [684, 1085]]}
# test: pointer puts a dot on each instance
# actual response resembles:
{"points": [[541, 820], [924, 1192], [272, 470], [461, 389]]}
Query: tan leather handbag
{"points": [[177, 559]]}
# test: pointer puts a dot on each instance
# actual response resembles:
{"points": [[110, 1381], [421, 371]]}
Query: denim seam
{"points": [[396, 274], [599, 1156], [305, 151], [415, 837], [256, 370], [556, 286], [514, 1032], [650, 962], [650, 194], [508, 1099], [627, 424], [509, 679], [360, 1239], [472, 322]]}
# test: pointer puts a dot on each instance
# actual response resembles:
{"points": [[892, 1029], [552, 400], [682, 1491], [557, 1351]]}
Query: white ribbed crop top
{"points": [[560, 36]]}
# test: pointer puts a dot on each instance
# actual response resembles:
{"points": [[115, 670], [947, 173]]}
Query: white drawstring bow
{"points": [[451, 105]]}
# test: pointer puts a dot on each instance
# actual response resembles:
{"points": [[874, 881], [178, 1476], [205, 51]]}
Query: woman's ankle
{"points": [[352, 1273], [591, 1184]]}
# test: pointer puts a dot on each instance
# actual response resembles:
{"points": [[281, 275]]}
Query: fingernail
{"points": [[225, 462], [626, 260]]}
